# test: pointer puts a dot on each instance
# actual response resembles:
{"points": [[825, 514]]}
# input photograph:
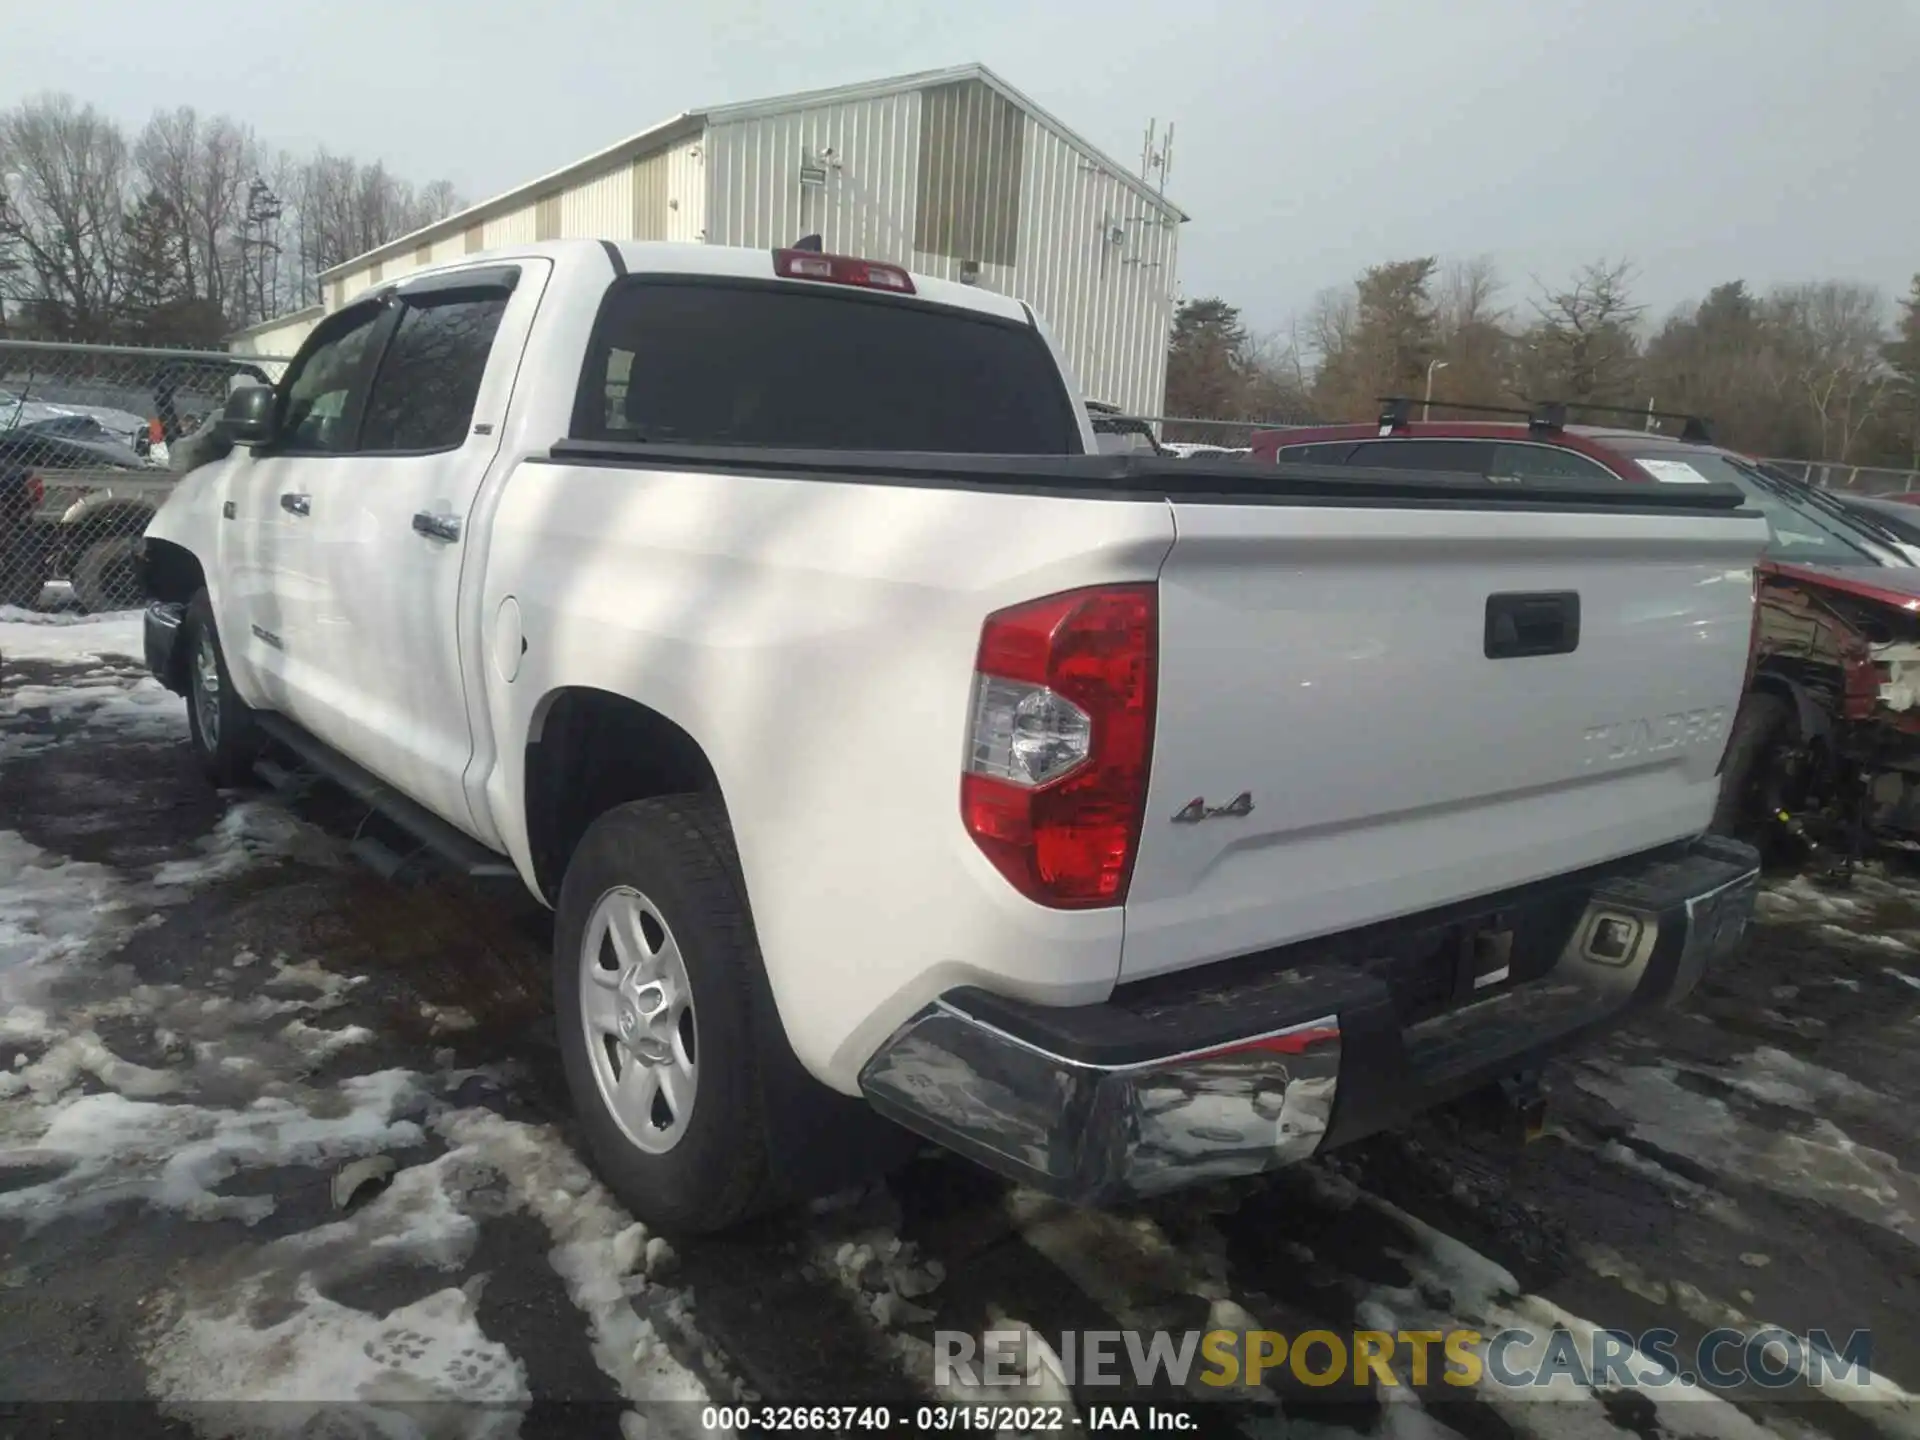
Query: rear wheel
{"points": [[1754, 780], [107, 574], [653, 966], [219, 723]]}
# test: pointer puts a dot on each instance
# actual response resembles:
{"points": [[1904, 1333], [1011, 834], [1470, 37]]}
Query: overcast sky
{"points": [[1770, 140]]}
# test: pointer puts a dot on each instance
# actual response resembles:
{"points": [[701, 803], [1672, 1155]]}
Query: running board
{"points": [[465, 854]]}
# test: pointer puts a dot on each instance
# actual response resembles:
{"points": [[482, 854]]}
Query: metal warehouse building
{"points": [[952, 173]]}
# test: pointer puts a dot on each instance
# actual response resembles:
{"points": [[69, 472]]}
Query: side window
{"points": [[1468, 457], [1330, 453], [1545, 462], [424, 394], [316, 417]]}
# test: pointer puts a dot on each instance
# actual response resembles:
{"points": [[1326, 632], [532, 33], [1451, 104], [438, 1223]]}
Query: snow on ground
{"points": [[1788, 1142], [258, 1079], [232, 1093], [433, 1349], [68, 638]]}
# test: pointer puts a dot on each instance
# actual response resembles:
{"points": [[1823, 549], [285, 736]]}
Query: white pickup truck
{"points": [[891, 759]]}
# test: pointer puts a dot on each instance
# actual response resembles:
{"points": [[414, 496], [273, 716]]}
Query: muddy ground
{"points": [[206, 1011]]}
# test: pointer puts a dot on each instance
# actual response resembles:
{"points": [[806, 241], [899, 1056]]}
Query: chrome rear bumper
{"points": [[1259, 1062]]}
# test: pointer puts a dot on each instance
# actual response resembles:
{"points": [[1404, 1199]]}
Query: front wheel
{"points": [[220, 725], [654, 957]]}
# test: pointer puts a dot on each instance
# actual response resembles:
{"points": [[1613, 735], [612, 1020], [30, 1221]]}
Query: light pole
{"points": [[1426, 407]]}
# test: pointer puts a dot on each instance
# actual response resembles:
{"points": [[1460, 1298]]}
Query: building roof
{"points": [[691, 122]]}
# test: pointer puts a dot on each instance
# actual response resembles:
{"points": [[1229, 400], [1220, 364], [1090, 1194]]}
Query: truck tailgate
{"points": [[1380, 685]]}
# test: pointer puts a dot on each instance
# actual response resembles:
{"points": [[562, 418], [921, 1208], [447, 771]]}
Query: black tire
{"points": [[220, 726], [22, 578], [1765, 721], [678, 852], [107, 575]]}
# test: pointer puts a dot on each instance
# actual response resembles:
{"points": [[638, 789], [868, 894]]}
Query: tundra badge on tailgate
{"points": [[1197, 809], [1627, 739]]}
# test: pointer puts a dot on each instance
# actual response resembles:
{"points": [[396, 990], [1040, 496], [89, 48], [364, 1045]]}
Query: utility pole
{"points": [[1426, 407]]}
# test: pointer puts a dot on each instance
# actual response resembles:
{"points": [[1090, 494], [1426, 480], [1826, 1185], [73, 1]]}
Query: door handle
{"points": [[1539, 623], [436, 527], [297, 504]]}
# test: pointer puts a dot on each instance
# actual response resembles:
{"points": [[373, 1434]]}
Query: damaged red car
{"points": [[1825, 749]]}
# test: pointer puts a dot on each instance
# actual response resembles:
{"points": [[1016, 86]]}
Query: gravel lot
{"points": [[206, 1011]]}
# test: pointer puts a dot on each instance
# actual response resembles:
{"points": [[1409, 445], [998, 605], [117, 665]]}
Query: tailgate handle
{"points": [[1532, 623]]}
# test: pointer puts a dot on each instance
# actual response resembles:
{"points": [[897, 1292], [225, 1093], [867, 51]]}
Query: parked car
{"points": [[1829, 729], [22, 560], [38, 460], [892, 759], [1896, 513], [1117, 434]]}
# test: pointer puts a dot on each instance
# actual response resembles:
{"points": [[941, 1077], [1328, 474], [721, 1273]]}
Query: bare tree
{"points": [[1331, 324], [201, 168], [1583, 344], [63, 199], [1834, 332], [1468, 296]]}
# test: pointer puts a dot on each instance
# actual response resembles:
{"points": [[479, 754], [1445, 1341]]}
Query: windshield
{"points": [[1800, 531]]}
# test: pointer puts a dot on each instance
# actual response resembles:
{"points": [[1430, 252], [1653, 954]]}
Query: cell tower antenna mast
{"points": [[1156, 155]]}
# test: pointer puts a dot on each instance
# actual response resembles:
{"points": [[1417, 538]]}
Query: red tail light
{"points": [[841, 270], [1060, 734], [36, 490]]}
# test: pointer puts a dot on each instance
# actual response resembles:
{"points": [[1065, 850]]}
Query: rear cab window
{"points": [[780, 363]]}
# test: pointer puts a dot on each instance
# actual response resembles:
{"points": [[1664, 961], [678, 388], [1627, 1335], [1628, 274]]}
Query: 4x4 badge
{"points": [[1197, 809]]}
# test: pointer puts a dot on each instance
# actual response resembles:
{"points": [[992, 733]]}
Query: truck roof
{"points": [[670, 257]]}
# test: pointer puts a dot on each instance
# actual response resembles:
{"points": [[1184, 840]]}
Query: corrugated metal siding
{"points": [[1109, 305], [546, 217], [967, 188], [754, 194], [513, 228], [280, 341], [687, 190], [472, 239], [596, 209], [649, 188]]}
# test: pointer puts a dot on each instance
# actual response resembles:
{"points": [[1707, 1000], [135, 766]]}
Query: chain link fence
{"points": [[85, 434]]}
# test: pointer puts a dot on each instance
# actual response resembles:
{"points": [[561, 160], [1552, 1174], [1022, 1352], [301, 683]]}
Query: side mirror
{"points": [[248, 418]]}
